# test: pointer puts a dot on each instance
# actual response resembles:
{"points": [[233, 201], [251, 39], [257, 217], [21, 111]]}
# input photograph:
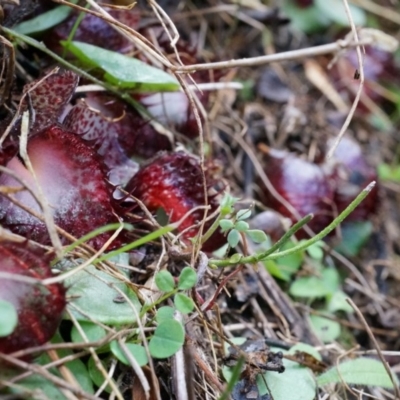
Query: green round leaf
{"points": [[187, 278], [307, 20], [388, 172], [92, 331], [95, 374], [233, 238], [315, 251], [81, 373], [305, 348], [165, 281], [256, 235], [326, 330], [242, 226], [48, 389], [137, 351], [354, 237], [183, 303], [335, 11], [314, 286], [167, 340], [225, 224], [94, 292], [309, 287], [295, 383], [165, 312], [337, 302], [8, 318]]}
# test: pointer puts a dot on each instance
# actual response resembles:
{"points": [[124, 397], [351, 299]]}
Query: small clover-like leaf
{"points": [[233, 238], [137, 351], [92, 295], [165, 312], [165, 281], [183, 303], [187, 278], [167, 340], [256, 235], [241, 226], [93, 332], [316, 251], [226, 224]]}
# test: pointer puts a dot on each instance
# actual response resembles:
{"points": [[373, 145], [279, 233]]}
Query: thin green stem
{"points": [[73, 30], [164, 297], [97, 232], [143, 240], [234, 260], [213, 227]]}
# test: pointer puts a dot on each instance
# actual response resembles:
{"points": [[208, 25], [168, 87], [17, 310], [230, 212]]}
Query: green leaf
{"points": [[183, 303], [315, 251], [241, 226], [278, 271], [43, 21], [165, 312], [137, 351], [226, 225], [165, 281], [354, 237], [256, 235], [123, 71], [95, 374], [8, 318], [235, 258], [335, 11], [337, 302], [388, 172], [233, 238], [93, 292], [187, 278], [227, 204], [167, 340], [81, 374], [234, 376], [41, 386], [243, 214], [285, 267], [307, 19], [92, 331], [361, 371], [325, 329], [76, 367], [295, 383], [305, 348], [314, 286]]}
